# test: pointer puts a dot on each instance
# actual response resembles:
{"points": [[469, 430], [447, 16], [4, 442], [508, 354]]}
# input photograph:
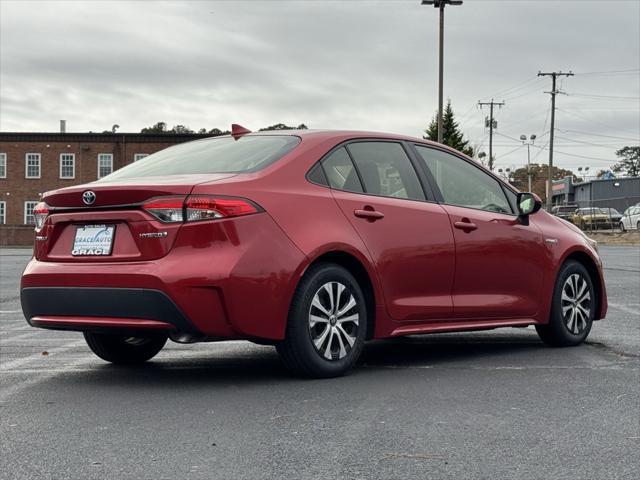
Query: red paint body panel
{"points": [[511, 257], [413, 252], [235, 277]]}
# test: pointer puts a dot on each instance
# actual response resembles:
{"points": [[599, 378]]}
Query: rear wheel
{"points": [[572, 308], [123, 349], [327, 323]]}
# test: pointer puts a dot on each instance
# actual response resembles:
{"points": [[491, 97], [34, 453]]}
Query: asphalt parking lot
{"points": [[486, 405]]}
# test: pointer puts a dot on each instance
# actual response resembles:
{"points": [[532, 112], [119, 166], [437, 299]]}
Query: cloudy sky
{"points": [[367, 65]]}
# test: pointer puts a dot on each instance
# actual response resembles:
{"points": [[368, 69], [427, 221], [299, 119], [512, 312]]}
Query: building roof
{"points": [[97, 137]]}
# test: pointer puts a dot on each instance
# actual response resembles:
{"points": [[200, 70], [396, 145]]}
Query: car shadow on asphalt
{"points": [[254, 364]]}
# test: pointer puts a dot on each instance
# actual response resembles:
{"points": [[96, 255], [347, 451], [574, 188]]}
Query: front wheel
{"points": [[123, 349], [572, 308], [327, 323], [622, 227]]}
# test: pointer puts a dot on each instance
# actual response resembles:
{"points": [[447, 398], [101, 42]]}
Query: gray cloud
{"points": [[329, 64]]}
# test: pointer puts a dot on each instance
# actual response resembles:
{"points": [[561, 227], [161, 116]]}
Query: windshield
{"points": [[211, 155], [593, 211]]}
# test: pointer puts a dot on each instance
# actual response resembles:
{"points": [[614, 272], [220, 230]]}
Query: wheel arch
{"points": [[355, 266], [594, 272]]}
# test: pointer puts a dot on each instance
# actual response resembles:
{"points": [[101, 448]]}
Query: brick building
{"points": [[33, 163]]}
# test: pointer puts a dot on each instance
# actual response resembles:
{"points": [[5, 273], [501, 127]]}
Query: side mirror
{"points": [[528, 203]]}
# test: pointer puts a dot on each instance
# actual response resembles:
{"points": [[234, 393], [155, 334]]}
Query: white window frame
{"points": [[3, 162], [26, 165], [105, 156], [26, 205], [73, 165], [3, 212], [139, 156]]}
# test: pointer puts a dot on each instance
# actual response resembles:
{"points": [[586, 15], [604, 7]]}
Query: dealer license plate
{"points": [[93, 240]]}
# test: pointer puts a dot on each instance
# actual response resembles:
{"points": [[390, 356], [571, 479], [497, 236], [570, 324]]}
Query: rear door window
{"points": [[386, 170], [340, 172]]}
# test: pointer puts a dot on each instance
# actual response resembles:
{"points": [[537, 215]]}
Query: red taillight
{"points": [[40, 212], [205, 207], [198, 207], [166, 209]]}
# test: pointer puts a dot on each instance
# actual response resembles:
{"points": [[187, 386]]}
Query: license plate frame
{"points": [[93, 240]]}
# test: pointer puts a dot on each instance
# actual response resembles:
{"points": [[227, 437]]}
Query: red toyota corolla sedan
{"points": [[313, 241]]}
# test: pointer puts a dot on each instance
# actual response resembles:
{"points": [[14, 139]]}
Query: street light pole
{"points": [[528, 144], [440, 4]]}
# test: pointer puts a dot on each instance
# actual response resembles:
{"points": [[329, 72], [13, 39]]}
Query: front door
{"points": [[499, 261]]}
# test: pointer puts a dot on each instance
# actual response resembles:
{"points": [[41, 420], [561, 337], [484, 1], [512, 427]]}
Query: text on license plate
{"points": [[93, 240]]}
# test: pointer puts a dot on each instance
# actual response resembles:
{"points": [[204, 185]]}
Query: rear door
{"points": [[499, 262], [409, 238]]}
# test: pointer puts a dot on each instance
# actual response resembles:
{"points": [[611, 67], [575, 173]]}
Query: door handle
{"points": [[369, 213], [465, 225]]}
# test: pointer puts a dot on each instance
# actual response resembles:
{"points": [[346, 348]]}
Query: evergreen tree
{"points": [[629, 163], [452, 136]]}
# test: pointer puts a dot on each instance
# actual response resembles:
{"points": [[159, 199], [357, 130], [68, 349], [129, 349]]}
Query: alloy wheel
{"points": [[334, 320], [576, 303]]}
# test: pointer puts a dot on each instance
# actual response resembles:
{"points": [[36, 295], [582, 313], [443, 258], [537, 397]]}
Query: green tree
{"points": [[451, 136], [160, 127], [181, 129], [282, 126], [216, 132], [629, 163]]}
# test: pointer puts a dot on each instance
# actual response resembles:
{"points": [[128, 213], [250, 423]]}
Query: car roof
{"points": [[344, 135]]}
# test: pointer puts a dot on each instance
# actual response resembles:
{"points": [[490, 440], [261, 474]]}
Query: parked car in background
{"points": [[564, 212], [311, 241], [614, 215], [630, 219], [591, 218]]}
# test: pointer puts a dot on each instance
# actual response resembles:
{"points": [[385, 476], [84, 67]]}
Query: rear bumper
{"points": [[78, 308], [226, 279]]}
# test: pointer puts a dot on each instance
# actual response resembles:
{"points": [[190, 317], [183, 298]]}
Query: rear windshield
{"points": [[212, 155]]}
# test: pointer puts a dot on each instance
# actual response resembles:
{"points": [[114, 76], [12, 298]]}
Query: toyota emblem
{"points": [[89, 197]]}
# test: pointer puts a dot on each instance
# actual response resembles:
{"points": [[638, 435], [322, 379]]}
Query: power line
{"points": [[599, 134], [580, 156], [604, 97], [511, 90], [606, 72], [593, 121], [587, 143]]}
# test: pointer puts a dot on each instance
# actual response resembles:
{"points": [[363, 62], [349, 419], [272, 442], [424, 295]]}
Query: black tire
{"points": [[622, 227], [298, 350], [571, 327], [125, 349]]}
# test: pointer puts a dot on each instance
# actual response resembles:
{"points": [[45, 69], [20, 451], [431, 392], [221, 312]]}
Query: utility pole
{"points": [[554, 76], [491, 123], [440, 5]]}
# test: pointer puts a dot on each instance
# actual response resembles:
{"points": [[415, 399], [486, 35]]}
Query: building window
{"points": [[3, 213], [105, 164], [3, 165], [29, 219], [67, 165], [139, 156], [32, 165]]}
